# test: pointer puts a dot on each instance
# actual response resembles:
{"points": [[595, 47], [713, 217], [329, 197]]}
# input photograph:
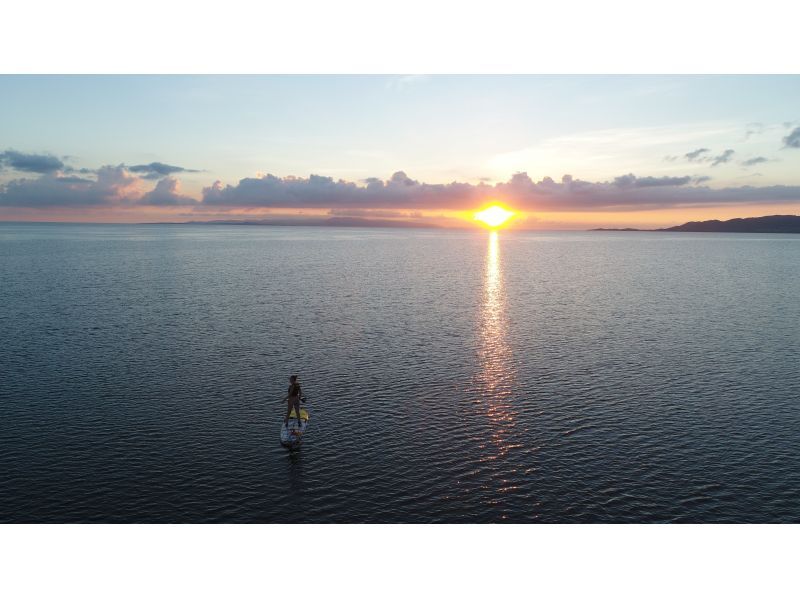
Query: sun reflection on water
{"points": [[497, 369]]}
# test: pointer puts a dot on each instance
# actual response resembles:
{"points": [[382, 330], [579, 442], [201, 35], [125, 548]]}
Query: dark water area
{"points": [[453, 376]]}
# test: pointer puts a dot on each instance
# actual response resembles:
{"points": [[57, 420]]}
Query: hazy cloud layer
{"points": [[754, 128], [754, 161], [368, 213], [36, 163]]}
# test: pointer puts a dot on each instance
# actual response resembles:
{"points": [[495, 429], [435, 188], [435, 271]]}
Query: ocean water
{"points": [[452, 376]]}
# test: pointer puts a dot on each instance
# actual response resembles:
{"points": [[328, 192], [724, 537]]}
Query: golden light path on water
{"points": [[497, 372]]}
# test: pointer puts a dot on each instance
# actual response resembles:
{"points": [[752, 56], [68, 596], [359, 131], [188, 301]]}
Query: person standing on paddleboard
{"points": [[293, 398]]}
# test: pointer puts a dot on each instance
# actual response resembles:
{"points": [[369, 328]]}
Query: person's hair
{"points": [[293, 378]]}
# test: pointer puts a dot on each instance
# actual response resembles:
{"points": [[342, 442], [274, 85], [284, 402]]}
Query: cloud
{"points": [[368, 213], [62, 186], [46, 191], [400, 192], [400, 195], [166, 193], [754, 161], [792, 139], [113, 185], [625, 194], [604, 149], [696, 155], [755, 128], [724, 157], [157, 170], [72, 179], [316, 191], [629, 180], [403, 81], [37, 163]]}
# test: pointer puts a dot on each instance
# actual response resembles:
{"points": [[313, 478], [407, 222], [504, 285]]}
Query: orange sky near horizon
{"points": [[443, 218]]}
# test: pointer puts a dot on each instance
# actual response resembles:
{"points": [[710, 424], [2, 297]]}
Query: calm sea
{"points": [[452, 376]]}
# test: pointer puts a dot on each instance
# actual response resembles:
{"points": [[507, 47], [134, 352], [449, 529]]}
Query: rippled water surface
{"points": [[453, 376]]}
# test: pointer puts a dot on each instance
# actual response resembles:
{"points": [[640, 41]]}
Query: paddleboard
{"points": [[292, 433]]}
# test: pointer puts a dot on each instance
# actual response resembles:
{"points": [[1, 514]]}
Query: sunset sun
{"points": [[494, 216]]}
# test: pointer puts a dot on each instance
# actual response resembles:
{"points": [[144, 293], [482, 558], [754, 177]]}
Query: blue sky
{"points": [[435, 129]]}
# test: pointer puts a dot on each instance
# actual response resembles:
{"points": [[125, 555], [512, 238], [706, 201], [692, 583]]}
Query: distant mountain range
{"points": [[760, 224]]}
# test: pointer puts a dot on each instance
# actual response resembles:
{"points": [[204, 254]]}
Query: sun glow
{"points": [[494, 216]]}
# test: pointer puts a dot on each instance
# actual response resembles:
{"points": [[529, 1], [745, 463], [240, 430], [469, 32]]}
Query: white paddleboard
{"points": [[292, 433]]}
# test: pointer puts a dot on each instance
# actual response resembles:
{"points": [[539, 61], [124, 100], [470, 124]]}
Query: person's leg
{"points": [[288, 413], [297, 411]]}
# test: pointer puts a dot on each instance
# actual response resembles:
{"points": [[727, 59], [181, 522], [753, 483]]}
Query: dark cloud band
{"points": [[36, 163], [157, 170]]}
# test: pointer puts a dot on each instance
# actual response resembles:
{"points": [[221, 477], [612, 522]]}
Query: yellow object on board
{"points": [[303, 415]]}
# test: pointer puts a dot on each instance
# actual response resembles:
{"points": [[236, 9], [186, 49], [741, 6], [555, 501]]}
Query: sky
{"points": [[565, 152]]}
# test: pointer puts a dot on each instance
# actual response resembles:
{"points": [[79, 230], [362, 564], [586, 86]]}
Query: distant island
{"points": [[621, 229], [760, 224], [332, 221]]}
